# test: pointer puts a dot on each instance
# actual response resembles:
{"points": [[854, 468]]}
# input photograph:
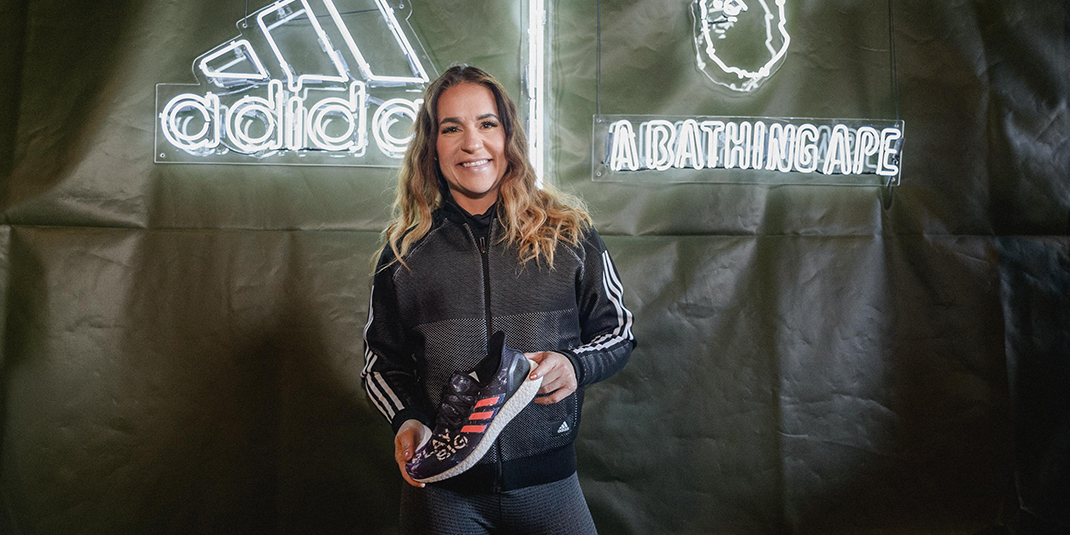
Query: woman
{"points": [[475, 247]]}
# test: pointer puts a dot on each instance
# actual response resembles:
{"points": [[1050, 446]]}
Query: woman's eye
{"points": [[448, 130], [489, 124]]}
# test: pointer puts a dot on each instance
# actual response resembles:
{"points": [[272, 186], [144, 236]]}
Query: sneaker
{"points": [[474, 409]]}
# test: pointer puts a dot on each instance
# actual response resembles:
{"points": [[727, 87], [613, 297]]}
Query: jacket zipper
{"points": [[484, 256], [486, 284]]}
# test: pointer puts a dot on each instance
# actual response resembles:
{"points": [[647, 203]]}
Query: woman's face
{"points": [[471, 145]]}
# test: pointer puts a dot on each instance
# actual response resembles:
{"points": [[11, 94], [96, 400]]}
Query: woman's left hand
{"points": [[558, 377]]}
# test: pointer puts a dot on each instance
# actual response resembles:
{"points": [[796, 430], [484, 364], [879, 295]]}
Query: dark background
{"points": [[182, 343]]}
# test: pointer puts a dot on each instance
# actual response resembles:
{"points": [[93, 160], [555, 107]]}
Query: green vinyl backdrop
{"points": [[181, 344]]}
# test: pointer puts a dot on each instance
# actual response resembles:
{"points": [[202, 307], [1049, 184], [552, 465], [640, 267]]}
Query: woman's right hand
{"points": [[410, 435]]}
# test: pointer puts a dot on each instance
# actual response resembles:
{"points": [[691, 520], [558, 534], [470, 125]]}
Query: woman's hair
{"points": [[535, 219]]}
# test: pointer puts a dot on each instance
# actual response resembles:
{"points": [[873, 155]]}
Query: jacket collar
{"points": [[453, 211]]}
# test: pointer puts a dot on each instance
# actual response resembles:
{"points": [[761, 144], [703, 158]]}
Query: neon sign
{"points": [[716, 149], [740, 43], [536, 87], [304, 83]]}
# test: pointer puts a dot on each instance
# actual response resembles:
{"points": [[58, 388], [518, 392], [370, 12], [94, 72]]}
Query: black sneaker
{"points": [[474, 409]]}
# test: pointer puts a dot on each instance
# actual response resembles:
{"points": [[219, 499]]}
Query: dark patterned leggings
{"points": [[550, 509]]}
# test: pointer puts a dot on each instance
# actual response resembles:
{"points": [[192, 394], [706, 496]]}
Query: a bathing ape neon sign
{"points": [[842, 150], [300, 99], [740, 44]]}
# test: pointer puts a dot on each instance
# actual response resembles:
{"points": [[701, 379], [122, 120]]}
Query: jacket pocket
{"points": [[541, 428]]}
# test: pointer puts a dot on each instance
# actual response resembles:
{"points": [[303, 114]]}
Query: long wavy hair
{"points": [[535, 220]]}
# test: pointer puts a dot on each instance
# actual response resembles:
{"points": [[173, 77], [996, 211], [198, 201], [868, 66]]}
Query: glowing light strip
{"points": [[317, 117], [420, 75], [288, 18], [536, 86], [230, 64], [240, 117], [826, 146], [753, 77], [623, 153], [287, 122], [244, 51], [294, 83], [389, 144], [207, 137], [399, 36]]}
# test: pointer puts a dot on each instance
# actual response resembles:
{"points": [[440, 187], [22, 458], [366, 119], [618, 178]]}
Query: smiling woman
{"points": [[470, 146], [456, 272]]}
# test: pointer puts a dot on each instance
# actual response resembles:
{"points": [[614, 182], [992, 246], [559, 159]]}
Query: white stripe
{"points": [[612, 271], [595, 347], [368, 355], [601, 338], [374, 393], [614, 292], [382, 382], [374, 388], [614, 336], [369, 358], [597, 340], [371, 299], [377, 400], [375, 384]]}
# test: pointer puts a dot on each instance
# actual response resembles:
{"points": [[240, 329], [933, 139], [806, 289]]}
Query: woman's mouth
{"points": [[475, 163]]}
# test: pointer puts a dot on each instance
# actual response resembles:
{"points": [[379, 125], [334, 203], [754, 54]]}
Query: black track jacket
{"points": [[434, 318]]}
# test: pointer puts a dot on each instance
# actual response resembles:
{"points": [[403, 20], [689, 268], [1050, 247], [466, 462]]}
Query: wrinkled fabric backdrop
{"points": [[182, 343]]}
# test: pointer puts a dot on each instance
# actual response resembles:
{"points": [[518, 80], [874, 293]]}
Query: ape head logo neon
{"points": [[739, 44]]}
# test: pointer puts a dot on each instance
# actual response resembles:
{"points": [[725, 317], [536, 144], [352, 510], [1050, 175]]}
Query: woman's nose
{"points": [[472, 140]]}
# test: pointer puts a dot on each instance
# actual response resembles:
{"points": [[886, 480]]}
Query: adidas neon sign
{"points": [[304, 83]]}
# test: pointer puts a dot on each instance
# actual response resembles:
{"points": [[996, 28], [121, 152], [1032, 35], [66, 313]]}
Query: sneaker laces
{"points": [[457, 402]]}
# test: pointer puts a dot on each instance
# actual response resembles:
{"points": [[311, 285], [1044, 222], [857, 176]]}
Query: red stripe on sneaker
{"points": [[473, 428], [481, 415], [488, 401]]}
